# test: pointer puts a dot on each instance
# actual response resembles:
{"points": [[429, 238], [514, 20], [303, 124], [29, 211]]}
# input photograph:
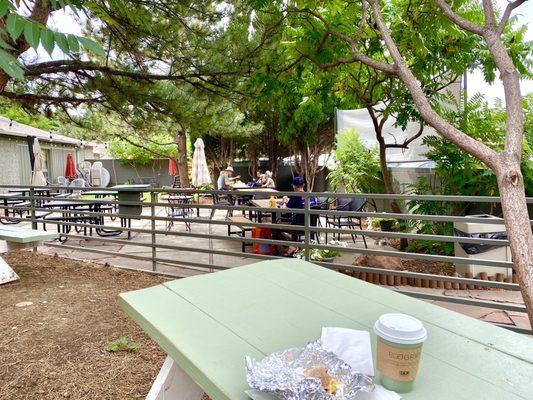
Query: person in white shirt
{"points": [[226, 178], [268, 181]]}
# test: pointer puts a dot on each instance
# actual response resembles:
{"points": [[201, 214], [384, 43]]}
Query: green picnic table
{"points": [[24, 236], [207, 324]]}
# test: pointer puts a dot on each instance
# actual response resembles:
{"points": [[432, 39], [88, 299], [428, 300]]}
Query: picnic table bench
{"points": [[207, 324], [18, 238], [238, 220]]}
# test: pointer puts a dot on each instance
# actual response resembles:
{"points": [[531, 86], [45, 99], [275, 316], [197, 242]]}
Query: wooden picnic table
{"points": [[209, 323]]}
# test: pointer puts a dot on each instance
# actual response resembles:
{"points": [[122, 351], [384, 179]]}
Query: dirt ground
{"points": [[55, 348]]}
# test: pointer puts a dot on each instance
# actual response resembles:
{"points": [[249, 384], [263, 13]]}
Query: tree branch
{"points": [[407, 141], [354, 43], [488, 10], [29, 97], [507, 14], [472, 146], [463, 23], [64, 66]]}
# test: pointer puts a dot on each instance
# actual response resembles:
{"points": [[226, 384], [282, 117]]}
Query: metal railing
{"points": [[97, 219]]}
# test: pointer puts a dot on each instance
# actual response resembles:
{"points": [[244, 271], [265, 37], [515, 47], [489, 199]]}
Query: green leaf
{"points": [[5, 6], [47, 40], [5, 45], [32, 33], [15, 25], [73, 43], [62, 42], [11, 66], [92, 46]]}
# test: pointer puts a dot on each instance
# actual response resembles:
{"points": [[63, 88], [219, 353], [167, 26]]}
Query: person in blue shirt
{"points": [[298, 201]]}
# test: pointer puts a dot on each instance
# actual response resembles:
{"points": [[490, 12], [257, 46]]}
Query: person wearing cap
{"points": [[226, 178], [297, 201]]}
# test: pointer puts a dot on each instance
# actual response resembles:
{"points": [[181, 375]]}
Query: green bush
{"points": [[356, 169]]}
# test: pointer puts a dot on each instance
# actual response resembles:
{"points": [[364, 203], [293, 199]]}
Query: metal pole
{"points": [[153, 199], [32, 208], [307, 226], [32, 212]]}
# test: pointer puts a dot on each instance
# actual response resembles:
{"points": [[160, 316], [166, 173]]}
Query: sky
{"points": [[475, 81], [66, 23]]}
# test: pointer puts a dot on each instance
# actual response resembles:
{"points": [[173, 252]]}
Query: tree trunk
{"points": [[183, 167], [387, 180], [253, 156], [514, 206]]}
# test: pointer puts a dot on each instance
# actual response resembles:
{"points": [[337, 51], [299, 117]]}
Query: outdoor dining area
{"points": [[83, 204]]}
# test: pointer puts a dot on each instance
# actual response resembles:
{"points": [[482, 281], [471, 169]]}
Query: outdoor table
{"points": [[10, 199], [265, 203], [132, 194], [25, 192], [207, 324], [69, 206], [101, 193]]}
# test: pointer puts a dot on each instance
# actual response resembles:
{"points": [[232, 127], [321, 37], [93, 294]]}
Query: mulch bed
{"points": [[55, 347]]}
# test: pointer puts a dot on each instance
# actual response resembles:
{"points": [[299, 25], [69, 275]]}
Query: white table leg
{"points": [[172, 383]]}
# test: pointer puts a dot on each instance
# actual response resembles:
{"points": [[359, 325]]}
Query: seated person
{"points": [[268, 182], [226, 178], [260, 178], [297, 201]]}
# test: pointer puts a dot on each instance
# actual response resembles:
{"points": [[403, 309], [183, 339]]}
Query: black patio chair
{"points": [[347, 221], [222, 200], [178, 207]]}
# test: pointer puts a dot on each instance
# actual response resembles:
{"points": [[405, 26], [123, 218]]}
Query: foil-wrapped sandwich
{"points": [[309, 373]]}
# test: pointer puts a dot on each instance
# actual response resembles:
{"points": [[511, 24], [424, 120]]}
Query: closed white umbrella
{"points": [[200, 176], [37, 176], [200, 172]]}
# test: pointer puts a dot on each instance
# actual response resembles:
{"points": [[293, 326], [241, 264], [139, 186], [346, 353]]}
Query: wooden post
{"points": [[455, 285], [469, 275]]}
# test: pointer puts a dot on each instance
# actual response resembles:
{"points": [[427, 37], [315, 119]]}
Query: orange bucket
{"points": [[263, 248]]}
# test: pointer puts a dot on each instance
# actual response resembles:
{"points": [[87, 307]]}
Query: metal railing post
{"points": [[153, 199], [307, 227], [32, 212], [32, 208]]}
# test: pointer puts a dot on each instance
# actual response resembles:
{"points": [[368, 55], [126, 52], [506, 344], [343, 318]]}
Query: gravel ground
{"points": [[55, 325]]}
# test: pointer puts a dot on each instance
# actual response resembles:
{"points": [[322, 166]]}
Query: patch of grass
{"points": [[122, 344]]}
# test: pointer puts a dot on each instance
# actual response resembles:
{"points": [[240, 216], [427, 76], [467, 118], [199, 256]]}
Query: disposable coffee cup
{"points": [[399, 346]]}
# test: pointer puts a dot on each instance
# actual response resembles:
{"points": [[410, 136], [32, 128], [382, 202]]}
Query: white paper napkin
{"points": [[379, 393], [351, 346]]}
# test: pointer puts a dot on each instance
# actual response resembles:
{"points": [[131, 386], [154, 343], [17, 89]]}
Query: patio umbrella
{"points": [[70, 169], [30, 140], [200, 173], [172, 168], [200, 176], [37, 176]]}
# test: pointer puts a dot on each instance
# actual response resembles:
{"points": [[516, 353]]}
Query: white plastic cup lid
{"points": [[400, 328]]}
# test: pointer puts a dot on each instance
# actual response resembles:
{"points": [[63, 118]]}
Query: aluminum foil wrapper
{"points": [[283, 375]]}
